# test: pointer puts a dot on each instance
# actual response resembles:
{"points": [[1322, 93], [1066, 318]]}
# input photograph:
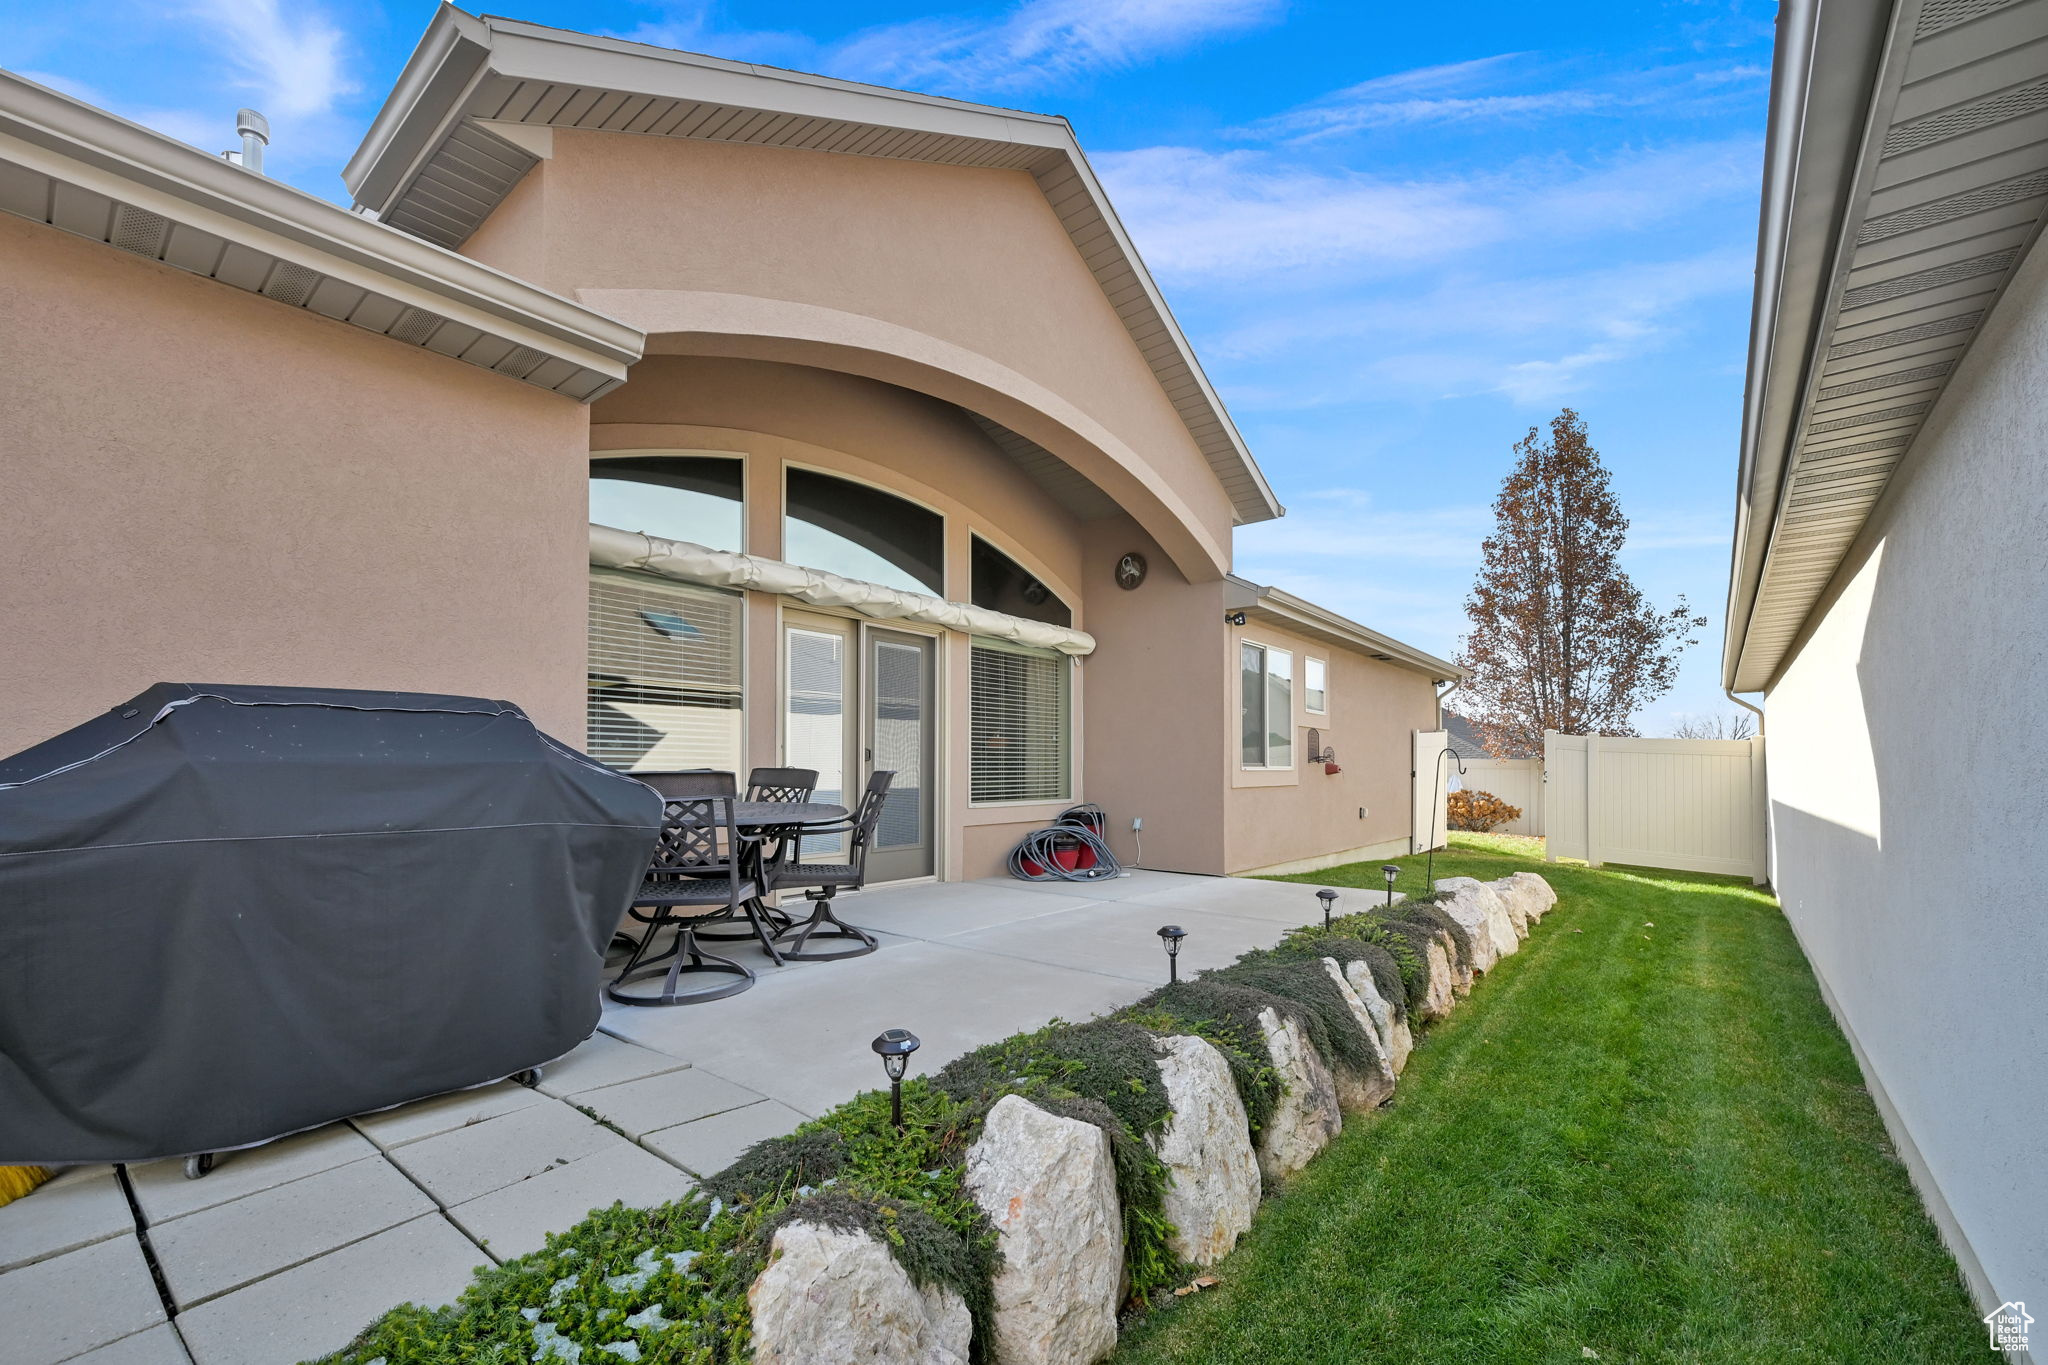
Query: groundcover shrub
{"points": [[669, 1284]]}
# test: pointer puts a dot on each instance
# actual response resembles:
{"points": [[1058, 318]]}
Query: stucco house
{"points": [[1890, 579], [717, 415]]}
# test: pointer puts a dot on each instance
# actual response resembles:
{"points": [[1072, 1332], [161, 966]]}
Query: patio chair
{"points": [[781, 784], [691, 782], [820, 882], [702, 874]]}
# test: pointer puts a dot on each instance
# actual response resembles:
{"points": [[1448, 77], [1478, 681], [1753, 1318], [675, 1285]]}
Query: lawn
{"points": [[1641, 1137]]}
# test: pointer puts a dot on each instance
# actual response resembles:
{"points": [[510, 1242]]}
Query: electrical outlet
{"points": [[1363, 812], [1137, 823]]}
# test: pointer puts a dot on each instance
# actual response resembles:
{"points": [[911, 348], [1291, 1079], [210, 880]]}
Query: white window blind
{"points": [[664, 675], [1266, 706], [1021, 732]]}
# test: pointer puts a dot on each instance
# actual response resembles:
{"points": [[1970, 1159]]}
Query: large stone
{"points": [[1537, 896], [839, 1298], [1473, 904], [1396, 1039], [1307, 1116], [1361, 1088], [1048, 1185], [1443, 981], [1207, 1149]]}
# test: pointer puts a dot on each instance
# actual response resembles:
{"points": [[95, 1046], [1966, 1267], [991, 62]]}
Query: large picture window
{"points": [[664, 675], [860, 532], [694, 498], [1019, 718], [1266, 705]]}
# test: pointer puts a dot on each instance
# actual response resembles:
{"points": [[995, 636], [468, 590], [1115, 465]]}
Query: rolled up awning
{"points": [[611, 548]]}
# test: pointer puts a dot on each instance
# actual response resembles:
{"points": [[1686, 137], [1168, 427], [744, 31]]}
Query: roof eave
{"points": [[1285, 609]]}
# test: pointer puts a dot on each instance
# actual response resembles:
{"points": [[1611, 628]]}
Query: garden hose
{"points": [[1070, 850]]}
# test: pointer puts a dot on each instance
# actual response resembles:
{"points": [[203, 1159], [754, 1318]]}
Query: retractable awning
{"points": [[611, 548]]}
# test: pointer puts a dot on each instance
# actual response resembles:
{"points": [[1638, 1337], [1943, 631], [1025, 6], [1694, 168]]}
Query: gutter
{"points": [[1287, 610]]}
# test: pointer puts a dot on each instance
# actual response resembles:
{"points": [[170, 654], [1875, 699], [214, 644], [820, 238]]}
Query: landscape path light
{"points": [[1171, 935], [1329, 900], [1390, 871], [894, 1047]]}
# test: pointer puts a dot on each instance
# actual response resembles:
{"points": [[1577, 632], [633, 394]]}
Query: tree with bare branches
{"points": [[1714, 727], [1560, 638]]}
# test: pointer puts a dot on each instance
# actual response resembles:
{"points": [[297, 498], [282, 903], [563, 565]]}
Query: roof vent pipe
{"points": [[255, 133]]}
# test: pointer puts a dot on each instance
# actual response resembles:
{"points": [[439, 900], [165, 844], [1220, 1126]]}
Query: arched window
{"points": [[1002, 584], [860, 532], [694, 498]]}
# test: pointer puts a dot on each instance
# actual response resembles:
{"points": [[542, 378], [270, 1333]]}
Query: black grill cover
{"points": [[231, 913]]}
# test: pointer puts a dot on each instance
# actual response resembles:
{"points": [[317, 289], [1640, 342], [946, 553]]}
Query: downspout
{"points": [[1729, 693], [1457, 683]]}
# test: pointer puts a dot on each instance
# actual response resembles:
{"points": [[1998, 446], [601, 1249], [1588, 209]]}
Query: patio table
{"points": [[769, 818]]}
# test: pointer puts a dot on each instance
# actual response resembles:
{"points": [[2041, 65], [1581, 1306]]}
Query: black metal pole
{"points": [[896, 1103], [1172, 969]]}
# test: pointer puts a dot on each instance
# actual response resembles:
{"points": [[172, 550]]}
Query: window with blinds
{"points": [[664, 675], [1266, 706], [1019, 717]]}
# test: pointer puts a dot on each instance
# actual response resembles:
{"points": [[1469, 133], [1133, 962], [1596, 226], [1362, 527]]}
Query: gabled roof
{"points": [[82, 169], [1283, 609], [1906, 175], [429, 166]]}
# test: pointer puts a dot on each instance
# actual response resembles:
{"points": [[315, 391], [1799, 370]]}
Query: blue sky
{"points": [[1397, 236]]}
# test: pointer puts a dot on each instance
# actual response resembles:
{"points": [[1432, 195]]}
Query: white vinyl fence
{"points": [[1517, 781], [1692, 804], [1431, 775]]}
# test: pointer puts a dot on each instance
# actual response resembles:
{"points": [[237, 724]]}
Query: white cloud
{"points": [[1468, 92], [1040, 42], [292, 62]]}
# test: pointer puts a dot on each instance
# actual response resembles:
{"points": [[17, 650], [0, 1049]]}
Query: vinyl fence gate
{"points": [[1695, 805]]}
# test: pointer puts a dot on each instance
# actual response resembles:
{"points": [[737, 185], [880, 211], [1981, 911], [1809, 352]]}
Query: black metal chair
{"points": [[702, 873], [674, 786], [820, 882], [781, 784]]}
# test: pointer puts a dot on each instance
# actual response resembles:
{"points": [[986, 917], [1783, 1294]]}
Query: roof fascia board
{"points": [[443, 69], [68, 140], [1823, 102], [1285, 609]]}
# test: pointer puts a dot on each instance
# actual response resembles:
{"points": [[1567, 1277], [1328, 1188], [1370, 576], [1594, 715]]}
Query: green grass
{"points": [[1649, 1142]]}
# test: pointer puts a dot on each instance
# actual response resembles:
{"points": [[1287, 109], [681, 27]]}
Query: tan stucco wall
{"points": [[965, 273], [1374, 708], [206, 486], [1155, 688], [778, 415]]}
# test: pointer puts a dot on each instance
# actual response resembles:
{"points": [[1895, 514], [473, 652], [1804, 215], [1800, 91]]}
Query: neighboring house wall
{"points": [[1278, 818], [956, 281], [1914, 888], [206, 486]]}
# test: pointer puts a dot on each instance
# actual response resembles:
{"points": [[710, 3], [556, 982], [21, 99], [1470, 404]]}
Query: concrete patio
{"points": [[286, 1250]]}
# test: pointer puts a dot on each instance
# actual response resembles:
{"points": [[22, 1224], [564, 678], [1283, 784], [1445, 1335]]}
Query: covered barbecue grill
{"points": [[231, 913]]}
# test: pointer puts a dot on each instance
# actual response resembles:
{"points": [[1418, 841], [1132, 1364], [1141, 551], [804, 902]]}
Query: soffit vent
{"points": [[415, 325], [1967, 118], [1980, 200], [290, 283], [139, 231], [1937, 15], [1993, 264], [520, 362], [1864, 419], [1918, 332]]}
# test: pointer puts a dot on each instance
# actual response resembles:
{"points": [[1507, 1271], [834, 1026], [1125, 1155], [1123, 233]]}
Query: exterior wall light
{"points": [[894, 1048], [1329, 900], [1390, 871], [1171, 936]]}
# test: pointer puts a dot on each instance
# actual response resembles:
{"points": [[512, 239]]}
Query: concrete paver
{"points": [[603, 1060], [456, 1167], [159, 1345], [164, 1192], [444, 1113], [517, 1219], [640, 1107], [215, 1250], [68, 1305], [318, 1307], [74, 1209], [709, 1145]]}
